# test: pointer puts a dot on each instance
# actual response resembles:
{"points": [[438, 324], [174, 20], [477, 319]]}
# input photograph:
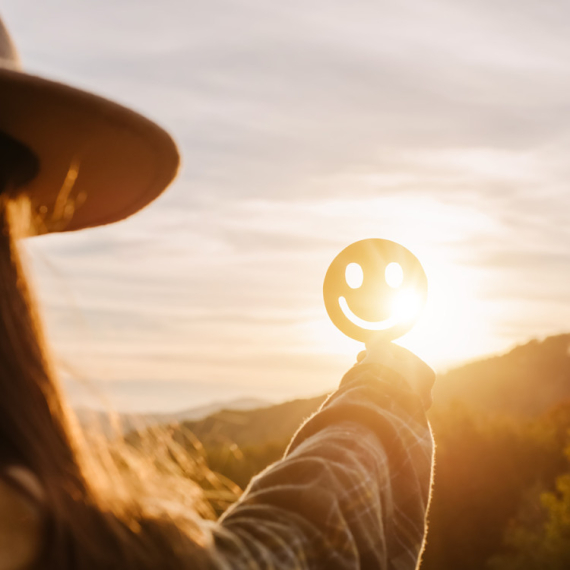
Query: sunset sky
{"points": [[304, 126]]}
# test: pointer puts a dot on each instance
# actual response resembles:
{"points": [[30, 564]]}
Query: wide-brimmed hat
{"points": [[99, 162]]}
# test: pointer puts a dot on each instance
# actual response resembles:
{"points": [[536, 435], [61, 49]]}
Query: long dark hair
{"points": [[98, 513]]}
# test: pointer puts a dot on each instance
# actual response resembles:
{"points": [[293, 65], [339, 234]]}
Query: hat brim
{"points": [[99, 161]]}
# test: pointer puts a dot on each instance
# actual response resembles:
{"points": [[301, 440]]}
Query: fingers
{"points": [[413, 369], [413, 366]]}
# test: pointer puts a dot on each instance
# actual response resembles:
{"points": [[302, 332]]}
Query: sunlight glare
{"points": [[406, 306], [457, 322]]}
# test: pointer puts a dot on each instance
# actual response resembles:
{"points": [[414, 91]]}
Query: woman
{"points": [[353, 487]]}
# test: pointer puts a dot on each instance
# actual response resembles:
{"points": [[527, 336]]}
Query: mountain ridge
{"points": [[111, 424], [526, 381]]}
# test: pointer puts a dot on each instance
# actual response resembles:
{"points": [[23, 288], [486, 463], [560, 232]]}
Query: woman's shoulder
{"points": [[20, 518]]}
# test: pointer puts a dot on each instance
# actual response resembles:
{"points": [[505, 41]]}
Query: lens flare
{"points": [[406, 305]]}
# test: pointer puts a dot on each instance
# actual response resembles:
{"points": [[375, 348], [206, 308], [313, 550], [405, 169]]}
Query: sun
{"points": [[406, 306]]}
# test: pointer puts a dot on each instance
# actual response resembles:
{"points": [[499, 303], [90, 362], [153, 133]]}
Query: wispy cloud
{"points": [[305, 126]]}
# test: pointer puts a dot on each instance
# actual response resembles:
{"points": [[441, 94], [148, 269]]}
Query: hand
{"points": [[415, 371]]}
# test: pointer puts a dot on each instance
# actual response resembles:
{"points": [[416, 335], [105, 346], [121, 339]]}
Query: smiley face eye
{"points": [[354, 275], [394, 275]]}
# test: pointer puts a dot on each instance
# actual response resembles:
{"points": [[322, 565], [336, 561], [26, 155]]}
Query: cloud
{"points": [[264, 97], [305, 126]]}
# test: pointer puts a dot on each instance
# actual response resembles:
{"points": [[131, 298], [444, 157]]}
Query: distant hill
{"points": [[527, 381], [255, 427], [110, 424]]}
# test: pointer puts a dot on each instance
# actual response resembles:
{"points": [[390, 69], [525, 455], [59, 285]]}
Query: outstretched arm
{"points": [[353, 489]]}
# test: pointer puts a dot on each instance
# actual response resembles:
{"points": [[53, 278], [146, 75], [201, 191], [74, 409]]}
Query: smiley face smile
{"points": [[362, 323]]}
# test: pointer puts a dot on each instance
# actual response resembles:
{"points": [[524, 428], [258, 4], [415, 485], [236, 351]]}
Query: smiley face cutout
{"points": [[375, 287]]}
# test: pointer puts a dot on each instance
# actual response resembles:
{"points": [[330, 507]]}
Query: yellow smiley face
{"points": [[375, 287]]}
